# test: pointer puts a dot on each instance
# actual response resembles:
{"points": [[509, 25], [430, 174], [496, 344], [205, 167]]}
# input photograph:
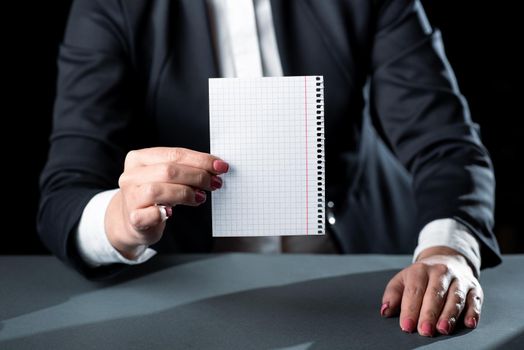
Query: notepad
{"points": [[271, 132]]}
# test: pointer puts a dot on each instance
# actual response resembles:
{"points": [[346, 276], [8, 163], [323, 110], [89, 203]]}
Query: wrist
{"points": [[437, 250], [116, 232], [449, 233], [128, 251], [445, 251]]}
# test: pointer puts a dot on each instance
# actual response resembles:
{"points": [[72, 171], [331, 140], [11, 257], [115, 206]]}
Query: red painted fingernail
{"points": [[444, 326], [216, 182], [169, 212], [472, 322], [383, 309], [426, 329], [220, 166], [407, 325], [200, 196]]}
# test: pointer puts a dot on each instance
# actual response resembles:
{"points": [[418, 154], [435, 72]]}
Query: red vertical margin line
{"points": [[307, 168]]}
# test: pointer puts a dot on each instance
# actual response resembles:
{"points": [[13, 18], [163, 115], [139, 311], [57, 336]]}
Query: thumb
{"points": [[392, 296]]}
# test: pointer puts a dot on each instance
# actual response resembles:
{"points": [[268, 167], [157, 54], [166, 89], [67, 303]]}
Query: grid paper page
{"points": [[271, 132]]}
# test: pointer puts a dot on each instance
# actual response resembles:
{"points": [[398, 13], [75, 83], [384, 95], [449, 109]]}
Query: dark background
{"points": [[482, 39]]}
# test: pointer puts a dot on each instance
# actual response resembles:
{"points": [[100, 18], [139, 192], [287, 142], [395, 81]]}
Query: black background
{"points": [[481, 38]]}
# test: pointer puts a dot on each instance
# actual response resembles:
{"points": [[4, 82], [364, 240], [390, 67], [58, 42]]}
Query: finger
{"points": [[184, 156], [170, 173], [392, 296], [455, 301], [434, 299], [143, 219], [148, 224], [150, 194], [414, 288], [474, 301]]}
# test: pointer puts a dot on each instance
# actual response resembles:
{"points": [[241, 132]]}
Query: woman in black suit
{"points": [[133, 77]]}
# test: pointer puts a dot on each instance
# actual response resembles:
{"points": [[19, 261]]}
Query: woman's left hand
{"points": [[433, 292]]}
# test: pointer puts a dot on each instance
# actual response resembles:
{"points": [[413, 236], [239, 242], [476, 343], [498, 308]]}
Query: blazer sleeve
{"points": [[93, 116], [418, 108]]}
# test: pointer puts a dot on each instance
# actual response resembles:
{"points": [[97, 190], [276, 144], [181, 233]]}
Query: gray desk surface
{"points": [[236, 301]]}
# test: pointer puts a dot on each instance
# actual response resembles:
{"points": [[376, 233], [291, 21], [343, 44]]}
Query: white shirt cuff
{"points": [[91, 239], [450, 233]]}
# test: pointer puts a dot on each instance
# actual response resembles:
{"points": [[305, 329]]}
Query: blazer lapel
{"points": [[301, 29], [280, 10], [199, 29], [183, 83]]}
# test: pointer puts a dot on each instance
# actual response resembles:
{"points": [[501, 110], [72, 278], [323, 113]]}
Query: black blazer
{"points": [[401, 149]]}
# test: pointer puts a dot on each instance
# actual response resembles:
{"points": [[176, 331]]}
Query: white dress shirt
{"points": [[246, 46]]}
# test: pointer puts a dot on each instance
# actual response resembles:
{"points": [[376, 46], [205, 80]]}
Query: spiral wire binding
{"points": [[319, 115]]}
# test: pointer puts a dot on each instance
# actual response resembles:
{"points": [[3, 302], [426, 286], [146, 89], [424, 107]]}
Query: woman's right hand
{"points": [[153, 177]]}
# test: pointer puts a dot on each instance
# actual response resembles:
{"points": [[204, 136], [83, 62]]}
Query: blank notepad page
{"points": [[271, 132]]}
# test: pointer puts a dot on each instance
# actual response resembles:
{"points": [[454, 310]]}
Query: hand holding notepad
{"points": [[271, 132]]}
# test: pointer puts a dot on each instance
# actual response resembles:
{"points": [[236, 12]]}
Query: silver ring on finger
{"points": [[165, 212]]}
